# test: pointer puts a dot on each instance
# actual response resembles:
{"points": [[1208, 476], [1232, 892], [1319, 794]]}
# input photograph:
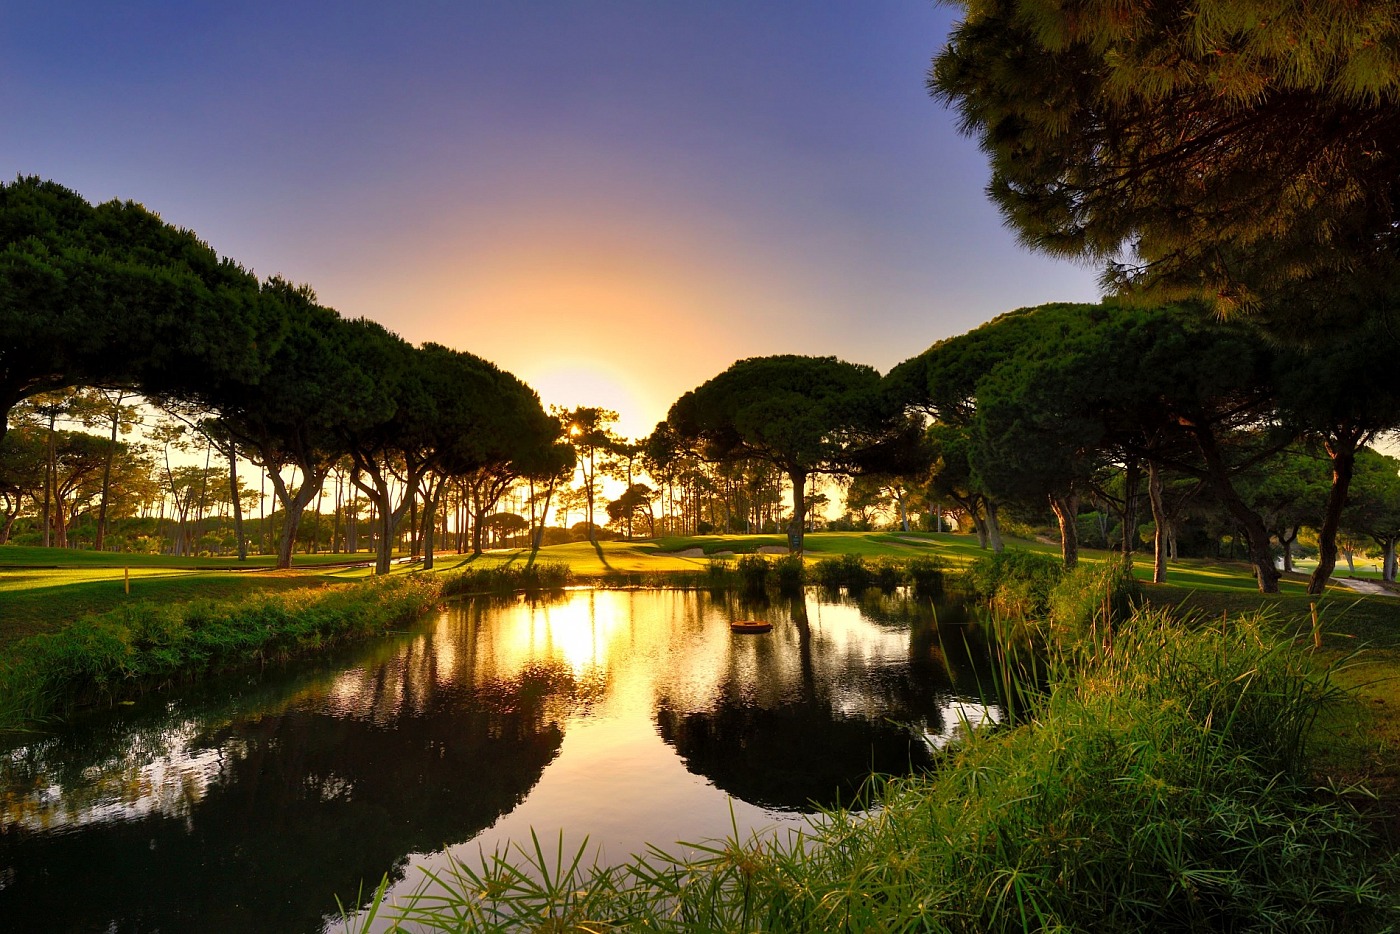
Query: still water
{"points": [[625, 717]]}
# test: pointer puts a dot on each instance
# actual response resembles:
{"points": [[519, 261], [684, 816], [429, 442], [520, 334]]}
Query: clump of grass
{"points": [[1016, 583], [510, 578], [1159, 786], [718, 573], [109, 654], [926, 576]]}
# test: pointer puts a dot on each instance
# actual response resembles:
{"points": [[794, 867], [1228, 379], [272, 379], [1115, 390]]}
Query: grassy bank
{"points": [[1166, 784], [109, 655]]}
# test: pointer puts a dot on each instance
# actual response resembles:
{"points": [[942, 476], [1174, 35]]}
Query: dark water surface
{"points": [[627, 717]]}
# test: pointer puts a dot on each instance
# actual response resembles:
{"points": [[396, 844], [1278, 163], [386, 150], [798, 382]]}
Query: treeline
{"points": [[1163, 418]]}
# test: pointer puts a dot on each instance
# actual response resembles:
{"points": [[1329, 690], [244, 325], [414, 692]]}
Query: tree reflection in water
{"points": [[804, 716], [248, 803], [318, 792]]}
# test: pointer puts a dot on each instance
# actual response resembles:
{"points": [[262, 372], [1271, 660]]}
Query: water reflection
{"points": [[249, 803], [801, 718]]}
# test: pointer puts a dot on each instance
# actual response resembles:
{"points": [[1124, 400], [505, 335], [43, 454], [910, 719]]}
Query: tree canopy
{"points": [[803, 415], [1244, 153]]}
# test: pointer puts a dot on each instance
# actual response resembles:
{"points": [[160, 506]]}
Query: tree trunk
{"points": [[430, 508], [798, 524], [1256, 536], [1388, 565], [1287, 540], [1132, 479], [979, 525], [293, 505], [1066, 509], [994, 528], [1161, 524], [107, 476], [237, 505], [50, 478], [1343, 454]]}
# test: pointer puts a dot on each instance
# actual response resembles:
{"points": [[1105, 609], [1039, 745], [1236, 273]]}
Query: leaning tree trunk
{"points": [[1066, 509], [293, 505], [1161, 524], [237, 504], [1256, 536], [799, 510], [1343, 465]]}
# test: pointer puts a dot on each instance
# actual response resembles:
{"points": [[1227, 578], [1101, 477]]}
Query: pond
{"points": [[622, 717]]}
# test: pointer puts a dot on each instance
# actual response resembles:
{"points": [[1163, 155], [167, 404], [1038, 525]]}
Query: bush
{"points": [[926, 576], [1016, 583], [101, 655], [848, 571], [753, 572], [791, 574], [888, 574], [510, 578]]}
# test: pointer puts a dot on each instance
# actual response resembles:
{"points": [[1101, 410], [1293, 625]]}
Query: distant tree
{"points": [[113, 409], [503, 524], [1036, 400], [24, 473], [1289, 492], [804, 415], [590, 430], [1340, 391], [1374, 510], [1242, 153], [295, 418], [635, 500]]}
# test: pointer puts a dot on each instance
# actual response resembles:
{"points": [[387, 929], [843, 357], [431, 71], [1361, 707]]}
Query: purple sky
{"points": [[614, 200]]}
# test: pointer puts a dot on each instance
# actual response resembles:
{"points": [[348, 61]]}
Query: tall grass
{"points": [[108, 654], [1160, 784]]}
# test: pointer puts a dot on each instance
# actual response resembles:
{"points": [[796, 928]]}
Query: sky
{"points": [[612, 199]]}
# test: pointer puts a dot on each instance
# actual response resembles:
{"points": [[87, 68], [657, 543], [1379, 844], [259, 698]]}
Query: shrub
{"points": [[925, 574], [1016, 583], [753, 572], [887, 574], [142, 643], [509, 578], [848, 571], [791, 574]]}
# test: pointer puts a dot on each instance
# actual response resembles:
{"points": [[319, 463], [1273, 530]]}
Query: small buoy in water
{"points": [[750, 626]]}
